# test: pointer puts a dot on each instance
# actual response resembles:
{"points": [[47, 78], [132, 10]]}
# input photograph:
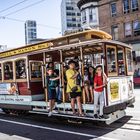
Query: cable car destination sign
{"points": [[26, 49]]}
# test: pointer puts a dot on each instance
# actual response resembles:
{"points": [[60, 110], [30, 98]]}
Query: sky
{"points": [[45, 12]]}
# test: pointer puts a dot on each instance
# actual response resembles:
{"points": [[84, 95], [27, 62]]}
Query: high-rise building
{"points": [[70, 16], [30, 31], [89, 13]]}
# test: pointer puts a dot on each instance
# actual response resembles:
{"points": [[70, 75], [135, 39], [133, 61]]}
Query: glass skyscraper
{"points": [[70, 16]]}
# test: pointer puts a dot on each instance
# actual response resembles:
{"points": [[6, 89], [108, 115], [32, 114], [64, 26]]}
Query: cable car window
{"points": [[129, 60], [0, 73], [111, 61], [8, 71], [20, 69], [97, 59], [121, 61], [36, 71]]}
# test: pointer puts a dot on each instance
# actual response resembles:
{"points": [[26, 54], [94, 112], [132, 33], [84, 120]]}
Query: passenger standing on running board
{"points": [[51, 85], [73, 88], [100, 81]]}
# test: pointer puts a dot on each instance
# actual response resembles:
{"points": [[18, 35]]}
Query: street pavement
{"points": [[40, 127]]}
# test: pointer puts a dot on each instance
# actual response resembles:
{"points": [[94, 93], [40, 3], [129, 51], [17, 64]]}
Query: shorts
{"points": [[75, 94], [51, 94]]}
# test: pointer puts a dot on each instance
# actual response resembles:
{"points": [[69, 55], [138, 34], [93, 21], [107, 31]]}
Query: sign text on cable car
{"points": [[26, 49]]}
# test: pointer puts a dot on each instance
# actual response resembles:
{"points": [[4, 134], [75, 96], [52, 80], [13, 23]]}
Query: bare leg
{"points": [[50, 105], [87, 93], [78, 99], [73, 105], [91, 93], [53, 103]]}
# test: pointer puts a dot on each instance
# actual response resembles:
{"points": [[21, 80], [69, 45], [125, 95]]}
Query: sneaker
{"points": [[96, 116], [48, 108], [101, 117], [50, 114], [54, 111]]}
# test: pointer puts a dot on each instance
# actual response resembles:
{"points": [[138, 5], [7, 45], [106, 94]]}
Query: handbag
{"points": [[74, 89]]}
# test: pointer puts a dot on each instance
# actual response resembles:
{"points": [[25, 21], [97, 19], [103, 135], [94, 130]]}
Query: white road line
{"points": [[12, 137], [104, 138], [57, 130], [49, 128]]}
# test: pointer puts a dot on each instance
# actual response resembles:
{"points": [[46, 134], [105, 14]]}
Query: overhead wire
{"points": [[12, 6], [24, 8], [39, 24], [19, 20]]}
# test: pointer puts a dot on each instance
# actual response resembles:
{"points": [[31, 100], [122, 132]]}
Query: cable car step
{"points": [[86, 117]]}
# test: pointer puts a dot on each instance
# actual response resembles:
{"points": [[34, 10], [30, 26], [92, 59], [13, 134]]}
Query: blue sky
{"points": [[47, 12]]}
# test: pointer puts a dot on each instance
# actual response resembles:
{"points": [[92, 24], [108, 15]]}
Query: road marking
{"points": [[57, 130], [49, 128], [103, 138], [12, 137]]}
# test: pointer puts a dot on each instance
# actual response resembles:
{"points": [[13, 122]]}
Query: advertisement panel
{"points": [[124, 89], [8, 88], [120, 89], [114, 90]]}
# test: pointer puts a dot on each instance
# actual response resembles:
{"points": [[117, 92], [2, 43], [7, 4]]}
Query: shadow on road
{"points": [[93, 128]]}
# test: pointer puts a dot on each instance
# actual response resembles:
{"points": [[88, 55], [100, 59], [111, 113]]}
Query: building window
{"points": [[73, 19], [113, 9], [69, 14], [134, 5], [128, 29], [74, 25], [69, 8], [84, 16], [69, 25], [78, 14], [90, 15], [94, 13], [136, 28], [115, 32], [79, 25], [126, 7]]}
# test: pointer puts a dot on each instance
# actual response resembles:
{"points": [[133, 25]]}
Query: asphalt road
{"points": [[40, 127]]}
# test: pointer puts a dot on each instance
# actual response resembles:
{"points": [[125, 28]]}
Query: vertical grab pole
{"points": [[62, 76], [44, 77], [27, 68], [82, 73], [102, 61]]}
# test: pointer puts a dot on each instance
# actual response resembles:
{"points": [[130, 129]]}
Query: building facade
{"points": [[30, 31], [89, 13], [70, 16], [121, 19]]}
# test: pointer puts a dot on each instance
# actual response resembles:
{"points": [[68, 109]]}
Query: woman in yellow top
{"points": [[72, 88]]}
